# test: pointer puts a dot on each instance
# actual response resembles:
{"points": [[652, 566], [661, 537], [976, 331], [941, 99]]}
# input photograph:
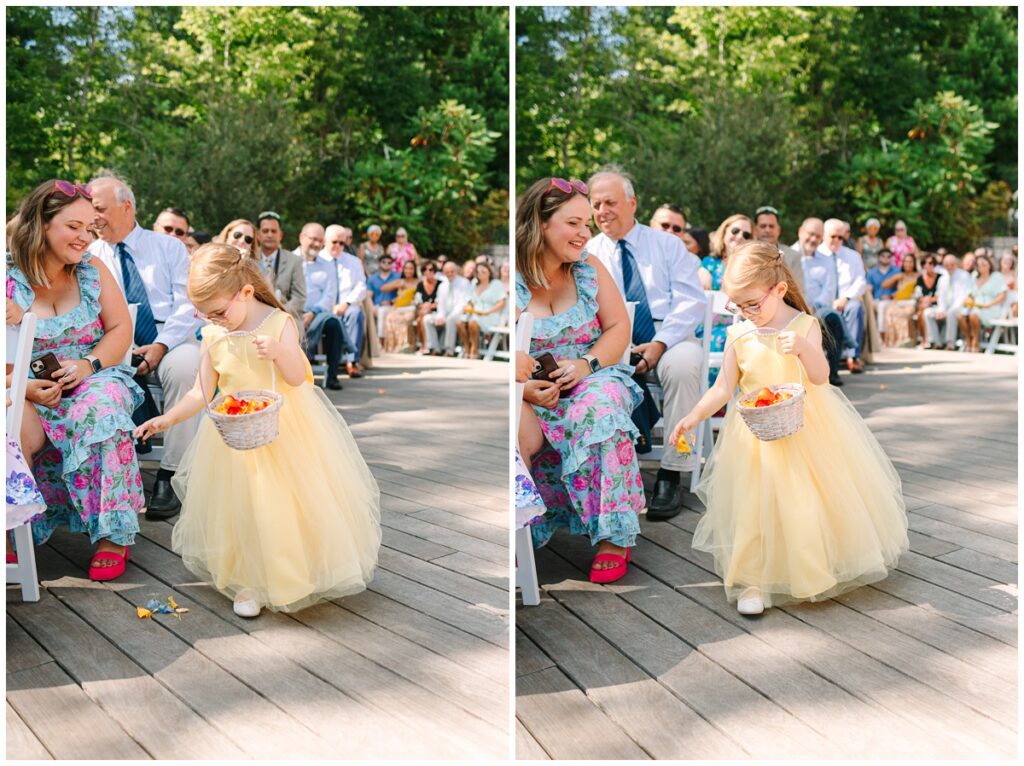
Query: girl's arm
{"points": [[285, 352], [717, 397], [190, 404], [809, 351]]}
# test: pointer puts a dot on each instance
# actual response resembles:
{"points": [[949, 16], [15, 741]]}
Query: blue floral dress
{"points": [[588, 475], [23, 498], [720, 324], [88, 472], [529, 503]]}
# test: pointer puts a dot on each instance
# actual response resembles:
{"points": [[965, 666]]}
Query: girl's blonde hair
{"points": [[718, 237], [26, 231], [218, 269], [760, 264], [533, 210]]}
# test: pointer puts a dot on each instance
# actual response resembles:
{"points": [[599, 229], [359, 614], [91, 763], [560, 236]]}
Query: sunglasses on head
{"points": [[737, 230], [766, 209], [429, 268], [69, 189], [566, 187], [268, 214], [240, 235], [666, 226], [176, 232]]}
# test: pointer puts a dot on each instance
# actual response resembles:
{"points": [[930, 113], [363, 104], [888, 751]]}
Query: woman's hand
{"points": [[525, 365], [43, 392], [72, 372], [573, 371], [792, 343], [152, 427], [267, 347], [688, 423], [14, 312], [541, 393]]}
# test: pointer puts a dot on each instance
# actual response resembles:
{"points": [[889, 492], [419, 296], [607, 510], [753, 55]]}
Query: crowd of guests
{"points": [[582, 424], [78, 258]]}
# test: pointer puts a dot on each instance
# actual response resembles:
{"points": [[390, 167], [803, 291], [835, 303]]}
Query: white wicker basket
{"points": [[776, 421], [255, 429]]}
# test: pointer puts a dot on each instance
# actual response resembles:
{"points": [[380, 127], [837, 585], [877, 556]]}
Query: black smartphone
{"points": [[548, 365], [635, 357], [137, 359], [45, 367]]}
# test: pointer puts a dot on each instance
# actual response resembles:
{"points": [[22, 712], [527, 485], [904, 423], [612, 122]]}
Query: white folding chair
{"points": [[1007, 322], [526, 567], [19, 353], [499, 336]]}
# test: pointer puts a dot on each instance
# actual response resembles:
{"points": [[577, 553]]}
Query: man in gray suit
{"points": [[282, 267]]}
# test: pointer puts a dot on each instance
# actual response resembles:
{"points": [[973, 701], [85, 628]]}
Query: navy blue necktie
{"points": [[135, 292], [643, 323]]}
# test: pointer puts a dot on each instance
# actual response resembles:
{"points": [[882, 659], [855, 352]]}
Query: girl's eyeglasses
{"points": [[567, 187], [666, 226], [751, 308], [214, 316], [737, 230], [240, 235], [69, 189]]}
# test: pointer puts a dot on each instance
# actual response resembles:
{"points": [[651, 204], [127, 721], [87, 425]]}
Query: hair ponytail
{"points": [[219, 269]]}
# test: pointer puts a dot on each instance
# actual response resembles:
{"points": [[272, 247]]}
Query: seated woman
{"points": [[483, 311], [900, 327], [984, 303], [88, 472], [398, 323], [425, 301], [926, 293], [586, 470]]}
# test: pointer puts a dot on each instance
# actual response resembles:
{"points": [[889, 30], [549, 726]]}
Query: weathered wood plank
{"points": [[991, 567], [21, 743], [448, 538], [413, 546], [1000, 595], [527, 748], [529, 657], [492, 533], [447, 581], [1001, 529], [486, 572], [22, 651]]}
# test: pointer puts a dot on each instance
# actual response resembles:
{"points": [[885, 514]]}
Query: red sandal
{"points": [[101, 574], [613, 573]]}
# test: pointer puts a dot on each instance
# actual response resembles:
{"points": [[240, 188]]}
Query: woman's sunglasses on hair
{"points": [[69, 189], [429, 268], [737, 230], [240, 235], [172, 230], [567, 187], [665, 225]]}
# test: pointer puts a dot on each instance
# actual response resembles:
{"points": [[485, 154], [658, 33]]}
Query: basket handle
{"points": [[236, 334], [764, 331]]}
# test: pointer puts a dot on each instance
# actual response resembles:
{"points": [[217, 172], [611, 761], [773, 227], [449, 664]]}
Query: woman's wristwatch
{"points": [[95, 363], [591, 360]]}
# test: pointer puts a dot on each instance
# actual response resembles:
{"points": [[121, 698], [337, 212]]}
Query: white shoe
{"points": [[246, 607], [750, 602]]}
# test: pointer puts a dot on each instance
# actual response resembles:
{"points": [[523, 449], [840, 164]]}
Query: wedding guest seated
{"points": [[943, 318], [925, 292], [399, 323], [318, 319], [88, 472], [984, 303], [382, 284], [878, 277], [425, 302], [483, 310], [451, 300], [900, 324]]}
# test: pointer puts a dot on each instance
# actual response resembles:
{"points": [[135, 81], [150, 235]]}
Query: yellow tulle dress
{"points": [[808, 516], [294, 522]]}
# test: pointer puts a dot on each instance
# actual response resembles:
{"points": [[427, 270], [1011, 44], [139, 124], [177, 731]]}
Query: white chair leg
{"points": [[24, 572], [526, 568], [699, 451], [990, 348]]}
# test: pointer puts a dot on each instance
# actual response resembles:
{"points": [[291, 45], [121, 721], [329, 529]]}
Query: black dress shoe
{"points": [[834, 379], [667, 501], [164, 502], [333, 384]]}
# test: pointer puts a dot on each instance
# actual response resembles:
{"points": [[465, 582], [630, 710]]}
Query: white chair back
{"points": [[133, 312], [526, 567], [19, 354], [524, 334], [631, 313]]}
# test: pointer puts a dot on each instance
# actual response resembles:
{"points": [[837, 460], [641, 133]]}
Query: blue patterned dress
{"points": [[88, 472], [720, 324], [23, 498], [588, 475]]}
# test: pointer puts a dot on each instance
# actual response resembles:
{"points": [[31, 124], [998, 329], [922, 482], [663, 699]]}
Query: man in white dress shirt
{"points": [[452, 295], [655, 270], [835, 279], [165, 326], [950, 294], [351, 292]]}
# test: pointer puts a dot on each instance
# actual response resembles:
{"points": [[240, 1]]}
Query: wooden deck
{"points": [[416, 667], [920, 665]]}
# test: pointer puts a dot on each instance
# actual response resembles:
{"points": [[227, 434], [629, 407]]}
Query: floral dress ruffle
{"points": [[23, 497], [88, 472], [588, 477]]}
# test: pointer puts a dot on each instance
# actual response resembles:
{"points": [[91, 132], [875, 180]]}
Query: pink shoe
{"points": [[108, 573], [12, 558], [614, 573]]}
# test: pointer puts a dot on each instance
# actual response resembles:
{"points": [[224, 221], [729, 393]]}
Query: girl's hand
{"points": [[685, 425], [541, 393], [572, 372], [792, 343], [267, 347], [152, 427], [72, 372], [14, 312], [43, 392]]}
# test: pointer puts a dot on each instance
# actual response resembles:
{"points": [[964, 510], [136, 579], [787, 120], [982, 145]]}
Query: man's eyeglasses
{"points": [[172, 230], [69, 189], [240, 235], [666, 226], [751, 308], [567, 187], [737, 230], [766, 209], [214, 316]]}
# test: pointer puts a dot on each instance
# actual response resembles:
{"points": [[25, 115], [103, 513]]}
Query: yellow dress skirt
{"points": [[296, 521], [808, 516]]}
